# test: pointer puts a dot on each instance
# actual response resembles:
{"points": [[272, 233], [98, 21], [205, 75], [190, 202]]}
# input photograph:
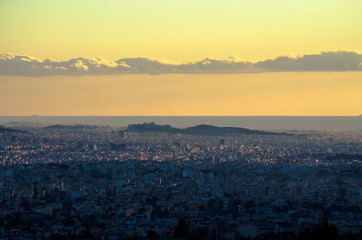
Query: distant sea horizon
{"points": [[252, 122]]}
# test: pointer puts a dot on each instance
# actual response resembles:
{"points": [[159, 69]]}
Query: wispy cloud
{"points": [[18, 65]]}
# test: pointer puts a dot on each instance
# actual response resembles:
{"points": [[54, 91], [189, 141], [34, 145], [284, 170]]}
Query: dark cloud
{"points": [[17, 65], [217, 66], [326, 61], [148, 66], [11, 64]]}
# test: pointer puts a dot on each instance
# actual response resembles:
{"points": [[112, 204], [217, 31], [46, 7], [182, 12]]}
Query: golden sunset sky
{"points": [[179, 32]]}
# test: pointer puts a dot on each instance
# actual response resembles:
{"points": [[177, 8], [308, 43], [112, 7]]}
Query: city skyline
{"points": [[180, 119]]}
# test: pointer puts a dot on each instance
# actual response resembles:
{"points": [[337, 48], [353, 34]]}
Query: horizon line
{"points": [[36, 115]]}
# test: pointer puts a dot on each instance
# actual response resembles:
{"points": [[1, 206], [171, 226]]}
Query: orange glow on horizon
{"points": [[274, 94]]}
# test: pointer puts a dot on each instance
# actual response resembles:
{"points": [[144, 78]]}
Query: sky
{"points": [[179, 30], [180, 57], [267, 94]]}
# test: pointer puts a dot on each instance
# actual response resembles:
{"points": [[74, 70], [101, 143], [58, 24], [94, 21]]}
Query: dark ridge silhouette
{"points": [[69, 127], [200, 130], [345, 156], [9, 130], [152, 127], [219, 131]]}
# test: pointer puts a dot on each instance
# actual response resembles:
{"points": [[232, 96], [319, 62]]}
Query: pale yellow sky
{"points": [[178, 30], [301, 93], [181, 31]]}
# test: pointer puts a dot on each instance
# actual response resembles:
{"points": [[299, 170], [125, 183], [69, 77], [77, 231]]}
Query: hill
{"points": [[69, 127], [200, 130], [152, 127], [220, 131], [9, 130]]}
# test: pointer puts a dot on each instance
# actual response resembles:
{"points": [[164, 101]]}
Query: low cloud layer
{"points": [[17, 65], [326, 61]]}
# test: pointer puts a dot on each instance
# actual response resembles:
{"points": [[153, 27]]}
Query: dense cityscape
{"points": [[102, 182]]}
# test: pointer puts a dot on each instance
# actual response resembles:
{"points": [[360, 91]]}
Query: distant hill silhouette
{"points": [[345, 156], [7, 130], [218, 131], [152, 127], [201, 130], [69, 127]]}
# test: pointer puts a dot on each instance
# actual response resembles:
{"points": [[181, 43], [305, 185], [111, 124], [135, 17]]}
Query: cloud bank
{"points": [[18, 65]]}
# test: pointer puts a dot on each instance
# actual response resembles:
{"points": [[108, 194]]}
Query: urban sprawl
{"points": [[101, 182]]}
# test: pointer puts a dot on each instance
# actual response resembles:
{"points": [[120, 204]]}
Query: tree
{"points": [[322, 230], [182, 229], [152, 235], [233, 206], [215, 206]]}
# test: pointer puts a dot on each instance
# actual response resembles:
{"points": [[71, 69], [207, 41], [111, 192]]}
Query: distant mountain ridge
{"points": [[69, 127], [152, 127], [201, 130], [5, 129]]}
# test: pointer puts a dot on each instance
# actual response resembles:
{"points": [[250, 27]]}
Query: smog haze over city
{"points": [[170, 119]]}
